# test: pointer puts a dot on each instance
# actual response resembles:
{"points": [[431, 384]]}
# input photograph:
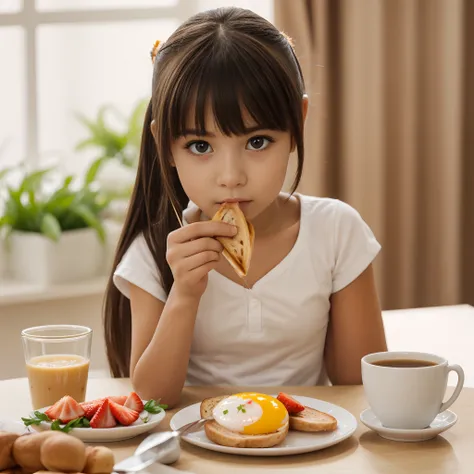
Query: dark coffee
{"points": [[404, 363]]}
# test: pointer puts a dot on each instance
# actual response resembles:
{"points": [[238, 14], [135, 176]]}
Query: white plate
{"points": [[295, 443], [107, 435], [441, 423]]}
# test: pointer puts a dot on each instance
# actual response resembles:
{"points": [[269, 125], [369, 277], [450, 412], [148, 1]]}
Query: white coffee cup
{"points": [[408, 397]]}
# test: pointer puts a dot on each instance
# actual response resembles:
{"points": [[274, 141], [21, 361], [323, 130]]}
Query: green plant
{"points": [[120, 144], [29, 208]]}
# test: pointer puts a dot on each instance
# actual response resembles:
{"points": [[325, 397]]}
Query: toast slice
{"points": [[220, 435], [312, 420], [208, 404], [237, 249]]}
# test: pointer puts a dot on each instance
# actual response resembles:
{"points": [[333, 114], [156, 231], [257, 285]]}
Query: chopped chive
{"points": [[226, 411]]}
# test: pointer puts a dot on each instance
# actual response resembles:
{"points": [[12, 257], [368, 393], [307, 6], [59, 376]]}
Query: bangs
{"points": [[236, 79]]}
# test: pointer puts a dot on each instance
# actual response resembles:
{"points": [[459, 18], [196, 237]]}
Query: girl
{"points": [[228, 107]]}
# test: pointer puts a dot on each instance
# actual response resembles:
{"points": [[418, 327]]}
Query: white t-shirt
{"points": [[273, 334]]}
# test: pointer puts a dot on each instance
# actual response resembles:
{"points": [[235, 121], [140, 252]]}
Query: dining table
{"points": [[365, 452]]}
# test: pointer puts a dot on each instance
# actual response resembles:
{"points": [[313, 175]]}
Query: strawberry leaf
{"points": [[37, 419], [153, 406]]}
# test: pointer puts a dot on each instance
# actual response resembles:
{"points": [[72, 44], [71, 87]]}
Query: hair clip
{"points": [[154, 50]]}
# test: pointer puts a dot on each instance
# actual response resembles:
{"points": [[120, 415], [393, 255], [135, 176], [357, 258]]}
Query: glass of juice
{"points": [[57, 362]]}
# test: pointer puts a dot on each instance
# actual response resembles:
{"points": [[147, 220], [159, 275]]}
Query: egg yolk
{"points": [[251, 413]]}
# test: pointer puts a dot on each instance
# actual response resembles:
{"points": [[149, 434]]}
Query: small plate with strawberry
{"points": [[103, 420]]}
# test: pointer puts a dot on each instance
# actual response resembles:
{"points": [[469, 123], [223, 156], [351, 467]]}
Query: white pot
{"points": [[77, 256]]}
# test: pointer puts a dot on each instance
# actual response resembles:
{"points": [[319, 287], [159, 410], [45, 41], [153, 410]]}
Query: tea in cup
{"points": [[57, 362], [405, 390]]}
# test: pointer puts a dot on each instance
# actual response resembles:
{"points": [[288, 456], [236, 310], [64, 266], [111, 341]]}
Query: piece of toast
{"points": [[208, 404], [220, 435], [237, 249], [312, 420]]}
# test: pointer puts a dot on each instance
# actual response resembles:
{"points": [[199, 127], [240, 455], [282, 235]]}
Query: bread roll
{"points": [[63, 453], [99, 460], [26, 450], [6, 450]]}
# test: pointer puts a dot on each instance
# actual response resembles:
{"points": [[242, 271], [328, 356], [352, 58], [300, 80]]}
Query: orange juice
{"points": [[51, 377]]}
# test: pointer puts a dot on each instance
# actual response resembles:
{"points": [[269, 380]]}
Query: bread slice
{"points": [[208, 404], [312, 420], [237, 249], [220, 435]]}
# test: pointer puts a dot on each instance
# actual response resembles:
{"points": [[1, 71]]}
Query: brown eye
{"points": [[258, 143], [199, 147]]}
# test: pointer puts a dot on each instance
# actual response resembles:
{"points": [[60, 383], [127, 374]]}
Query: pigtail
{"points": [[150, 212]]}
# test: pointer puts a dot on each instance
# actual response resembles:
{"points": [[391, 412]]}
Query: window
{"points": [[65, 58]]}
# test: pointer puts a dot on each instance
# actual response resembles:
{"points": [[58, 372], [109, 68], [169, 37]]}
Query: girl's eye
{"points": [[199, 147], [259, 143]]}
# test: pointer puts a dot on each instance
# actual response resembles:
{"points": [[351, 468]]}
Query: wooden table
{"points": [[364, 453]]}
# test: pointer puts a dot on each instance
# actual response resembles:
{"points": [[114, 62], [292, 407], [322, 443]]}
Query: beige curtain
{"points": [[391, 131]]}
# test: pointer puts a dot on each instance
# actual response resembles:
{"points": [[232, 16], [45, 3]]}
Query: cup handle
{"points": [[459, 386]]}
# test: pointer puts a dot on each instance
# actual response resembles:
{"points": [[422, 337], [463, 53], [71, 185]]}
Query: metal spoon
{"points": [[160, 447]]}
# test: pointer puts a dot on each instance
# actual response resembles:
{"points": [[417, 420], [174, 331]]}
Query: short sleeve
{"points": [[355, 246], [138, 267]]}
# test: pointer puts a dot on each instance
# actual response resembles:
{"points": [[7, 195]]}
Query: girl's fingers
{"points": [[201, 229], [200, 259], [200, 245]]}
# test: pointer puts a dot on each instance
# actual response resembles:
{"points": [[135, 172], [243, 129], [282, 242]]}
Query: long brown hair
{"points": [[229, 59]]}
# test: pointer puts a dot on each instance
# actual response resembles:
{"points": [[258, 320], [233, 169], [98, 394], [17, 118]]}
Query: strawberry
{"points": [[65, 410], [121, 399], [103, 417], [90, 408], [125, 416], [134, 402], [290, 403]]}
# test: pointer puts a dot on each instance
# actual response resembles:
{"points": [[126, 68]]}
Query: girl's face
{"points": [[214, 168]]}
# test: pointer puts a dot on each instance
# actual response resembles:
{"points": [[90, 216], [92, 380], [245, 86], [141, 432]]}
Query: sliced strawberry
{"points": [[103, 417], [290, 403], [121, 399], [90, 408], [125, 416], [65, 410], [134, 402]]}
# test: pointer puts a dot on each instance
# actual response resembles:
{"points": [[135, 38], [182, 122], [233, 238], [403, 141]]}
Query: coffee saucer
{"points": [[441, 423]]}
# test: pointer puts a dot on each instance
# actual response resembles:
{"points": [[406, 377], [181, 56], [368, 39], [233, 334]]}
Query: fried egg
{"points": [[251, 413]]}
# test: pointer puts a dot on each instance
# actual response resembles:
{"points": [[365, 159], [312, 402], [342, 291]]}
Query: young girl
{"points": [[228, 106]]}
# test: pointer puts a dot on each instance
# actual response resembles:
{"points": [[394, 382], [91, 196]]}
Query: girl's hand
{"points": [[192, 252]]}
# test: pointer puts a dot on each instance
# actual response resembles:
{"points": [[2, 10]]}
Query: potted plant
{"points": [[55, 235], [114, 170]]}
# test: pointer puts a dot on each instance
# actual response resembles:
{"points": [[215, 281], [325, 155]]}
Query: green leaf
{"points": [[6, 221], [56, 426], [90, 219], [93, 169], [37, 419], [50, 227], [4, 172], [32, 180], [153, 406], [81, 422], [67, 181]]}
